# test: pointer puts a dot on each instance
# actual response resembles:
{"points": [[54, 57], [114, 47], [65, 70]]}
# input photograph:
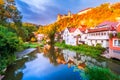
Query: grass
{"points": [[83, 49], [32, 45]]}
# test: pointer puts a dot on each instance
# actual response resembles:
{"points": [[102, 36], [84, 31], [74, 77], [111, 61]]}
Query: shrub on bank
{"points": [[9, 43], [84, 49], [98, 73]]}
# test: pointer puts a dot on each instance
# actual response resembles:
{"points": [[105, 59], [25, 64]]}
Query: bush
{"points": [[9, 43], [118, 35], [98, 73], [84, 49], [110, 35]]}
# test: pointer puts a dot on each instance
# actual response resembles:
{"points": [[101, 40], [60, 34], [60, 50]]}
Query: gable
{"points": [[77, 31], [72, 30], [66, 31], [118, 28]]}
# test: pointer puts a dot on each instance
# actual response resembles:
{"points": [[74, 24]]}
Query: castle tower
{"points": [[69, 13], [58, 17]]}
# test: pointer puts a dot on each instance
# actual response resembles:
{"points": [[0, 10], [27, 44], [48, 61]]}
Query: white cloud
{"points": [[37, 5]]}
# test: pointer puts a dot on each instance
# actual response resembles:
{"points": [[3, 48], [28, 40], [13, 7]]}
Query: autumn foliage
{"points": [[93, 17], [97, 15]]}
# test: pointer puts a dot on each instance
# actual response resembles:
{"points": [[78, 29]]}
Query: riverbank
{"points": [[19, 55], [32, 44], [83, 49], [1, 76]]}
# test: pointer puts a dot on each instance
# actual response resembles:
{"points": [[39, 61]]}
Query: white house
{"points": [[39, 37], [101, 34], [73, 36]]}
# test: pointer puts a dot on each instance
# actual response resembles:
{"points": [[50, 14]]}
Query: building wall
{"points": [[111, 42], [70, 37], [114, 51], [98, 35], [98, 38], [83, 12]]}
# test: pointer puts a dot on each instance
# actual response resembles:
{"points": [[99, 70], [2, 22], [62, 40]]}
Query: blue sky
{"points": [[45, 11]]}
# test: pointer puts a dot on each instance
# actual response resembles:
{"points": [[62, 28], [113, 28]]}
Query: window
{"points": [[102, 41], [104, 33], [96, 34], [116, 42], [99, 34]]}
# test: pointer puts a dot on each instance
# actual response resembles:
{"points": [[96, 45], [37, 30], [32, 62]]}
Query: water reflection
{"points": [[71, 58], [52, 63], [55, 56], [82, 59]]}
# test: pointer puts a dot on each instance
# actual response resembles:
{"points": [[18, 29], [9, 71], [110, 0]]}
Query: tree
{"points": [[49, 31], [9, 42], [30, 28], [9, 13]]}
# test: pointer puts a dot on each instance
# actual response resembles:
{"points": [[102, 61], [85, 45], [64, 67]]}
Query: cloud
{"points": [[37, 5], [38, 11], [45, 11]]}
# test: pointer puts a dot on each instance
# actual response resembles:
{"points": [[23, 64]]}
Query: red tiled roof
{"points": [[108, 23], [102, 29], [111, 26], [83, 28], [71, 29]]}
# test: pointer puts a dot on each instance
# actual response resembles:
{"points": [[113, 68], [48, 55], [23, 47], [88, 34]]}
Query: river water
{"points": [[54, 64]]}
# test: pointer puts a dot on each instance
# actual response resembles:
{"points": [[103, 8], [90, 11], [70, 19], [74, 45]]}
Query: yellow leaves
{"points": [[28, 24], [12, 7], [7, 14], [1, 2], [10, 0], [33, 39], [91, 19]]}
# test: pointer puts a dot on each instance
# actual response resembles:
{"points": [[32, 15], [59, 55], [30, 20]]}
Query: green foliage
{"points": [[8, 40], [9, 43], [110, 35], [118, 35], [63, 41], [83, 49], [98, 73], [29, 30], [98, 45], [5, 61]]}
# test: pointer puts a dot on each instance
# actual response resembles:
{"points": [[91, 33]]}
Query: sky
{"points": [[43, 12]]}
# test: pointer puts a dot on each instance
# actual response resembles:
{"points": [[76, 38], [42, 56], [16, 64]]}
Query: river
{"points": [[54, 64]]}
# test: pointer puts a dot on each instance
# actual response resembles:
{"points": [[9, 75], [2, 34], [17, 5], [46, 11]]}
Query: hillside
{"points": [[93, 17], [90, 17]]}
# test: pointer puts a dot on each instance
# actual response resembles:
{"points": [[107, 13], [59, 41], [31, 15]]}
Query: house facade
{"points": [[100, 35], [39, 37], [68, 36], [114, 45], [73, 36]]}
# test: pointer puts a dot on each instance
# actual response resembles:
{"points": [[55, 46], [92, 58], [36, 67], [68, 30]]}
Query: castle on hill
{"points": [[59, 16]]}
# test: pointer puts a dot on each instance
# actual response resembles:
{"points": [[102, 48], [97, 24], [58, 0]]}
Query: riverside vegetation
{"points": [[93, 72], [84, 49]]}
